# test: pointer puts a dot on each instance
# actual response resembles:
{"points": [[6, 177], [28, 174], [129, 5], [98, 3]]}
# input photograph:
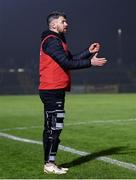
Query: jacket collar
{"points": [[49, 32]]}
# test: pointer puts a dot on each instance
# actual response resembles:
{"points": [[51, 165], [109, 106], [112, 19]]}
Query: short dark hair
{"points": [[55, 15]]}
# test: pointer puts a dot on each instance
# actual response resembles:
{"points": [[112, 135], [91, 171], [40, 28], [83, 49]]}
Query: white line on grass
{"points": [[129, 166], [20, 128], [78, 123], [103, 122]]}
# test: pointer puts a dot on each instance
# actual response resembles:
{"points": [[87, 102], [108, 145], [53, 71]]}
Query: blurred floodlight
{"points": [[119, 31], [11, 70], [20, 70]]}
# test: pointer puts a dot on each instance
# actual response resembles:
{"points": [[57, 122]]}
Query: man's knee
{"points": [[55, 119], [54, 124]]}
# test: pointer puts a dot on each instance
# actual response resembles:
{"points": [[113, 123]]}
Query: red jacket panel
{"points": [[52, 75]]}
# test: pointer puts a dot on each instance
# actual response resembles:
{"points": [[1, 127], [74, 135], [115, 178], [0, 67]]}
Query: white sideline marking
{"points": [[129, 166], [102, 122], [20, 128], [78, 123]]}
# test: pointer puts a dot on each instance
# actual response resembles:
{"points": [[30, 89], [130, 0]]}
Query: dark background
{"points": [[22, 21]]}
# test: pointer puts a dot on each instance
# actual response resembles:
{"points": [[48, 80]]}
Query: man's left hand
{"points": [[94, 48]]}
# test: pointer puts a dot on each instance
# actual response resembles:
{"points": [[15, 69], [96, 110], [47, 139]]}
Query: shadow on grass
{"points": [[89, 157]]}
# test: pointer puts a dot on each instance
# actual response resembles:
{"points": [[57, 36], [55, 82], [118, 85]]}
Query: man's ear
{"points": [[53, 25]]}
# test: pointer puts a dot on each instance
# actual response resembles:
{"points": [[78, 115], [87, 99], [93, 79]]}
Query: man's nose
{"points": [[66, 24]]}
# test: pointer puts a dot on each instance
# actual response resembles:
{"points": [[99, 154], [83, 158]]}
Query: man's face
{"points": [[60, 25]]}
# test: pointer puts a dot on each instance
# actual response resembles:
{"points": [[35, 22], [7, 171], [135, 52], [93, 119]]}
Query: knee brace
{"points": [[55, 119]]}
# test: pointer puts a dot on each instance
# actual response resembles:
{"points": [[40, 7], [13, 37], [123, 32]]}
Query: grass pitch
{"points": [[104, 125]]}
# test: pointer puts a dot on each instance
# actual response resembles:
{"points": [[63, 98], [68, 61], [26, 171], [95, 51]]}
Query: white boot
{"points": [[51, 168]]}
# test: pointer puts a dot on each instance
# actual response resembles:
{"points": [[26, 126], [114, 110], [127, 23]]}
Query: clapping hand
{"points": [[95, 61]]}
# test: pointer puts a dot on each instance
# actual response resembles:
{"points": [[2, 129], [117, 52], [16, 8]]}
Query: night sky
{"points": [[22, 21]]}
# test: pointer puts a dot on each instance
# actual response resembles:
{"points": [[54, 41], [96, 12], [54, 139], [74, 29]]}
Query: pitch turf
{"points": [[104, 125]]}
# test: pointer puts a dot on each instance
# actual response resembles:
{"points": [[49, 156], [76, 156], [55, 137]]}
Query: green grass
{"points": [[115, 139]]}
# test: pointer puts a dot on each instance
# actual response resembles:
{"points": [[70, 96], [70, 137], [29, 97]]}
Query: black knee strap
{"points": [[55, 119]]}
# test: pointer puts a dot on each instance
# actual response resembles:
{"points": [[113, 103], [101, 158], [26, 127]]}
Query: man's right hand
{"points": [[95, 61]]}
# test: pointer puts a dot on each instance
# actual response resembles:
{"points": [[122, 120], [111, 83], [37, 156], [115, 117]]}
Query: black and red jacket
{"points": [[56, 61]]}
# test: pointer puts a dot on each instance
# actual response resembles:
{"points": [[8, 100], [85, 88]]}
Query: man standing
{"points": [[55, 63]]}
